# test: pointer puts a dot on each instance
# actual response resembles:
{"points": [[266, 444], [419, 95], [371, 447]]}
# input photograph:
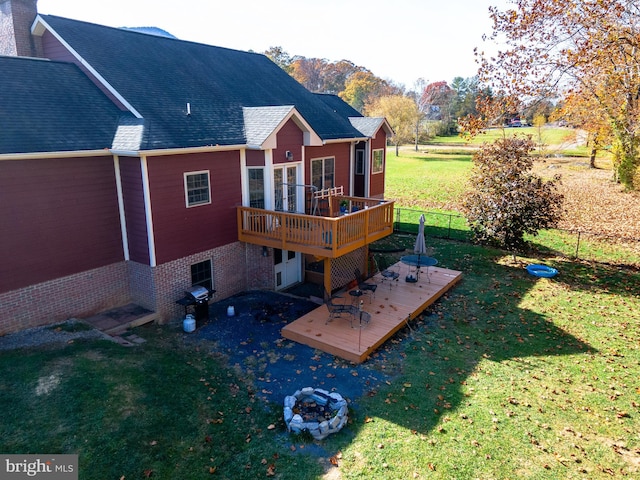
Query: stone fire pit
{"points": [[319, 412]]}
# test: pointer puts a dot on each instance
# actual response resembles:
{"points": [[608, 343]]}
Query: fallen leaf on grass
{"points": [[271, 427], [271, 470]]}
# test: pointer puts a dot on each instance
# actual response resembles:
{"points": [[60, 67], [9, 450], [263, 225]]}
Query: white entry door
{"points": [[287, 264], [287, 268]]}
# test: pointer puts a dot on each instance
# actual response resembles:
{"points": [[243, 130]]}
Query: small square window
{"points": [[196, 186]]}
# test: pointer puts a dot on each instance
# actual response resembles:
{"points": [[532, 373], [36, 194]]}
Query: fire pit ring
{"points": [[315, 410]]}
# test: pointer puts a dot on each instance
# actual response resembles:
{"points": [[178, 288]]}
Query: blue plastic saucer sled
{"points": [[541, 271]]}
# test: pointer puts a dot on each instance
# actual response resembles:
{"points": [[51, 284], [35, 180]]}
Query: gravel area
{"points": [[57, 334]]}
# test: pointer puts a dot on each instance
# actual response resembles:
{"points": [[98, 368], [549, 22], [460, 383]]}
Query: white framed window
{"points": [[323, 173], [377, 166], [256, 187], [197, 189]]}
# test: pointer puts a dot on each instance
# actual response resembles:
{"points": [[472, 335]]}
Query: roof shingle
{"points": [[158, 76], [52, 106]]}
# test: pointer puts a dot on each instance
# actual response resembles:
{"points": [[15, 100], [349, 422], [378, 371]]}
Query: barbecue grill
{"points": [[197, 297]]}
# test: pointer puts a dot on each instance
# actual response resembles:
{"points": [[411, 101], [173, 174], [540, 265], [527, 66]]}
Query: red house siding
{"points": [[377, 179], [255, 158], [180, 231], [289, 138], [342, 154], [63, 218], [133, 198]]}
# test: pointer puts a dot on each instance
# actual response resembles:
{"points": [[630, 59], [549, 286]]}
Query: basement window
{"points": [[202, 274]]}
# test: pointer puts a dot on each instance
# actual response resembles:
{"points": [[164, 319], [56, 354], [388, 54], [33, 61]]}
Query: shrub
{"points": [[506, 201]]}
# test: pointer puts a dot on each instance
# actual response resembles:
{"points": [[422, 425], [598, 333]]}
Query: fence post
{"points": [[449, 230], [577, 246]]}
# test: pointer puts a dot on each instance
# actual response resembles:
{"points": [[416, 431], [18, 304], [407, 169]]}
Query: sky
{"points": [[397, 40]]}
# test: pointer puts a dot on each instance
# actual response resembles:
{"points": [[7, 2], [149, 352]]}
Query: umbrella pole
{"points": [[360, 327]]}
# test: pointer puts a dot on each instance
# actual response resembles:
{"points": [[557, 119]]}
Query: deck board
{"points": [[390, 310]]}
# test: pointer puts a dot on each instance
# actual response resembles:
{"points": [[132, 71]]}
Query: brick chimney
{"points": [[16, 18]]}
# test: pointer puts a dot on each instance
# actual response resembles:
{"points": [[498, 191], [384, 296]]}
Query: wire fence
{"points": [[570, 244]]}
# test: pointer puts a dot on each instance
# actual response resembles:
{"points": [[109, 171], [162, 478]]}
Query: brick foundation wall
{"points": [[142, 285], [236, 267], [259, 268], [76, 296]]}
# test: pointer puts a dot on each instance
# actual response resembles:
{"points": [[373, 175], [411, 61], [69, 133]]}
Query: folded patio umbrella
{"points": [[420, 247]]}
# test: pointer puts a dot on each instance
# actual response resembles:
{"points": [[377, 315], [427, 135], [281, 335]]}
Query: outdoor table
{"points": [[355, 296], [418, 261]]}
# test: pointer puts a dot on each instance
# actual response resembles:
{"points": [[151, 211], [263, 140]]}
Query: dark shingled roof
{"points": [[52, 106], [158, 76]]}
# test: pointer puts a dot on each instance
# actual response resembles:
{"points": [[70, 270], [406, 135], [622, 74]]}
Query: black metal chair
{"points": [[338, 309], [387, 273], [364, 286]]}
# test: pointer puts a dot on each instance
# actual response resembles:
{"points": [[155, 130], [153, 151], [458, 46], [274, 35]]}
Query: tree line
{"points": [[415, 114], [578, 62]]}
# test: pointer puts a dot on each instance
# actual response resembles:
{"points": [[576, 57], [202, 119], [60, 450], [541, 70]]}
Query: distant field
{"points": [[435, 178], [549, 135], [426, 180]]}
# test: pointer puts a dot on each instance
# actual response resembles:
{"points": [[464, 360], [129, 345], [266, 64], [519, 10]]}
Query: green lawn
{"points": [[512, 377], [436, 180], [550, 135], [508, 376]]}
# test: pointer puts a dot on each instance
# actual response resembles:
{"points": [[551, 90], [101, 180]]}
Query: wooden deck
{"points": [[390, 310]]}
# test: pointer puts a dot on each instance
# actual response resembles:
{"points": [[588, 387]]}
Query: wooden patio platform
{"points": [[390, 310]]}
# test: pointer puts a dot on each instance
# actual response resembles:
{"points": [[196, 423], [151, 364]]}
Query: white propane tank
{"points": [[189, 323], [231, 311]]}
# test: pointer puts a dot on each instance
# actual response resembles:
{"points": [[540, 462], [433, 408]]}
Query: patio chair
{"points": [[338, 309], [388, 273], [364, 286]]}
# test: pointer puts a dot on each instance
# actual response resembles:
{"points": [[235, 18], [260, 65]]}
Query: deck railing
{"points": [[369, 220]]}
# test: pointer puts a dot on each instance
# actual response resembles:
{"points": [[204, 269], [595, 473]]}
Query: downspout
{"points": [[146, 192], [121, 211]]}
